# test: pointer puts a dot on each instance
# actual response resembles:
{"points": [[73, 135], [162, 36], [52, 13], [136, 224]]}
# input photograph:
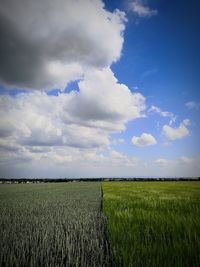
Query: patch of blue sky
{"points": [[166, 43], [71, 86], [11, 92]]}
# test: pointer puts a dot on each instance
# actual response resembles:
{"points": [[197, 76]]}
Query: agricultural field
{"points": [[93, 224], [58, 224], [153, 223]]}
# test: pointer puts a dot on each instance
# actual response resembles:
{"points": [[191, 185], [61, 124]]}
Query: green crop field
{"points": [[62, 224], [154, 223], [57, 224]]}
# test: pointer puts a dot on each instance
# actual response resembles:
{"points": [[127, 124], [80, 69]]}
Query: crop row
{"points": [[154, 223], [53, 225]]}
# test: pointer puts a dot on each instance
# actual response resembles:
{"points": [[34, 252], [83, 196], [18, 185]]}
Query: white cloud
{"points": [[165, 114], [154, 109], [144, 140], [94, 157], [139, 8], [38, 125], [59, 42], [71, 162], [77, 162], [56, 41], [176, 133], [192, 105], [69, 134], [120, 159], [186, 122], [104, 103], [118, 141], [60, 74], [183, 166]]}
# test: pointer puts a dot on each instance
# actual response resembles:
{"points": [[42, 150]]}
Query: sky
{"points": [[99, 88]]}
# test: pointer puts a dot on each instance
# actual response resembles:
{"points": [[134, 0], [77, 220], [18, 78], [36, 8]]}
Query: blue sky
{"points": [[161, 58], [112, 90]]}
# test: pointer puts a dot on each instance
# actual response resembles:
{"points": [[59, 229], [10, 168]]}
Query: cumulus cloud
{"points": [[37, 125], [177, 133], [104, 103], [144, 140], [141, 9], [192, 105], [45, 44]]}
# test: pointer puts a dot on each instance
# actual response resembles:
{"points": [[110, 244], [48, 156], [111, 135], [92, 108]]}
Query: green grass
{"points": [[57, 224], [154, 223]]}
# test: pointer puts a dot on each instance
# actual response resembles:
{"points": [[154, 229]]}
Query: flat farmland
{"points": [[93, 224], [53, 224], [153, 223]]}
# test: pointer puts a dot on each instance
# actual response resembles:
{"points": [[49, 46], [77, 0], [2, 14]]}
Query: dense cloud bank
{"points": [[70, 127], [80, 119], [45, 44]]}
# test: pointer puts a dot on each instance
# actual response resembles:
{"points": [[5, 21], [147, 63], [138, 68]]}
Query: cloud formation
{"points": [[37, 124], [141, 9], [165, 114], [181, 166], [46, 44], [177, 133], [144, 140], [104, 103], [193, 105]]}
